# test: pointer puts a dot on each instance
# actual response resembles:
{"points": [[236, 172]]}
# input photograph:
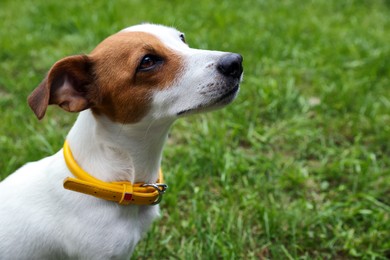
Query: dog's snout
{"points": [[231, 65]]}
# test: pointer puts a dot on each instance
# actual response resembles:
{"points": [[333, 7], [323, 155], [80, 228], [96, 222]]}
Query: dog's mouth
{"points": [[229, 96], [221, 101]]}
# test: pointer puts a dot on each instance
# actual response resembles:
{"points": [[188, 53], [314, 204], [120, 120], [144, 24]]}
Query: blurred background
{"points": [[298, 167]]}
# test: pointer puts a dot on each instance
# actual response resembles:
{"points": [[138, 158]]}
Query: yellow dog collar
{"points": [[124, 193]]}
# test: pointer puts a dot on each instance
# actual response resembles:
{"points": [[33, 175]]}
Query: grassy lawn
{"points": [[298, 167]]}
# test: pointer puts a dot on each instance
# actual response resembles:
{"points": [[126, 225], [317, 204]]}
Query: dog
{"points": [[96, 197]]}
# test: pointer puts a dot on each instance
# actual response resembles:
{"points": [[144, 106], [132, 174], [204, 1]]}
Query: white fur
{"points": [[39, 219]]}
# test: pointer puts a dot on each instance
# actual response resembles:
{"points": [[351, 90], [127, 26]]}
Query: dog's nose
{"points": [[230, 65]]}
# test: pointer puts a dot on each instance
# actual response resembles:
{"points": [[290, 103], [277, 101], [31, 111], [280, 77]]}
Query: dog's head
{"points": [[144, 71]]}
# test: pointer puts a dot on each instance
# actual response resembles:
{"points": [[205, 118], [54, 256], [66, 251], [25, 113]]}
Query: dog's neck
{"points": [[116, 152]]}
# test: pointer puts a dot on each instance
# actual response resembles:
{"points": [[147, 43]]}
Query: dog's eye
{"points": [[149, 62], [182, 37]]}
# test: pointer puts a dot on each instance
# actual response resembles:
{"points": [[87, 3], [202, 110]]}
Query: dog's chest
{"points": [[112, 231]]}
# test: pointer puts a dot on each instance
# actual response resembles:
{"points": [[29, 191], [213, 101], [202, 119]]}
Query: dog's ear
{"points": [[68, 84]]}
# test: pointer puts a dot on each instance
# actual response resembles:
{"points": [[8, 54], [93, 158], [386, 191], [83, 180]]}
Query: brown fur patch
{"points": [[124, 94]]}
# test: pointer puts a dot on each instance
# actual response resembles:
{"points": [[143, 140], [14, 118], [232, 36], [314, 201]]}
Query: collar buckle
{"points": [[160, 188]]}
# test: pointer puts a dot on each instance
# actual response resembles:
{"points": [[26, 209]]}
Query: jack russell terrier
{"points": [[95, 198]]}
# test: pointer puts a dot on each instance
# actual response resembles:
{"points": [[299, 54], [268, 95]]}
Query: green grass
{"points": [[298, 167]]}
